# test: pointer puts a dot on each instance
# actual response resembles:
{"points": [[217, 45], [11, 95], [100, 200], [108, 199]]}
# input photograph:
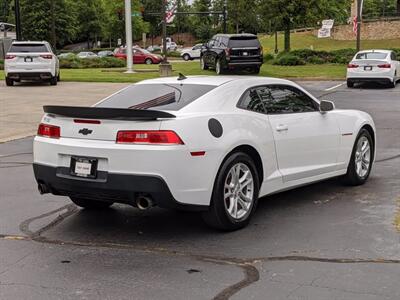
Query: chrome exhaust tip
{"points": [[144, 202]]}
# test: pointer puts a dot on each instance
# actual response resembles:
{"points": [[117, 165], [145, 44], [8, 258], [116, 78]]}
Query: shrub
{"points": [[288, 59], [103, 62], [1, 64], [268, 57]]}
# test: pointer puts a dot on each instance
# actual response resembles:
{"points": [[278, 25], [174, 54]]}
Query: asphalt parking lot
{"points": [[324, 241]]}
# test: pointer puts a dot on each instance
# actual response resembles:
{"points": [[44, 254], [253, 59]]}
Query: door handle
{"points": [[282, 127]]}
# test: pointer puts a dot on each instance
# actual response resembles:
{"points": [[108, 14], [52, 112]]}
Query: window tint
{"points": [[157, 96], [371, 55], [277, 99], [29, 48], [251, 101], [244, 41], [281, 99]]}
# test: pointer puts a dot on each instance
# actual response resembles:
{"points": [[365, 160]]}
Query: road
{"points": [[324, 241]]}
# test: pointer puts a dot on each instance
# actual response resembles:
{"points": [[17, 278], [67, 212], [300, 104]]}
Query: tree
{"points": [[37, 12], [287, 14]]}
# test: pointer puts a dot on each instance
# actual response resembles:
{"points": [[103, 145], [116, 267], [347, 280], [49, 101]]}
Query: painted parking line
{"points": [[334, 87]]}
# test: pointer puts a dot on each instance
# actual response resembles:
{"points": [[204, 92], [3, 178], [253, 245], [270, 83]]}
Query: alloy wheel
{"points": [[362, 157], [239, 191]]}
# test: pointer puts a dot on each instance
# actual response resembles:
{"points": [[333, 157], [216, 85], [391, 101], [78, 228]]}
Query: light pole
{"points": [[128, 30]]}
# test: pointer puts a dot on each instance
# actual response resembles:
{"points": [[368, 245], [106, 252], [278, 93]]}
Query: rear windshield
{"points": [[371, 55], [157, 96], [29, 48], [239, 42]]}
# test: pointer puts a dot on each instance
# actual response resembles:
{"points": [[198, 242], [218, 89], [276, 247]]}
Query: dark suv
{"points": [[232, 52]]}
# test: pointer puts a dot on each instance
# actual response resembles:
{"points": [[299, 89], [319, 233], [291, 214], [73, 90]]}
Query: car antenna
{"points": [[181, 77]]}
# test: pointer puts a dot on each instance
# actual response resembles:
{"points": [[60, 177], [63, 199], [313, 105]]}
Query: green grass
{"points": [[303, 40], [192, 68]]}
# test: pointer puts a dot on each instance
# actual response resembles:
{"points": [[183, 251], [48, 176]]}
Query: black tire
{"points": [[186, 57], [351, 177], [256, 70], [148, 61], [350, 84], [90, 204], [203, 64], [53, 80], [59, 77], [217, 216], [392, 84], [9, 82]]}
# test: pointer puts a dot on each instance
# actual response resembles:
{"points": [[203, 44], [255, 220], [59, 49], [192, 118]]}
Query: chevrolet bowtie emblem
{"points": [[85, 131]]}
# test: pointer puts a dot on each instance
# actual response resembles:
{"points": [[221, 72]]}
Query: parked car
{"points": [[140, 56], [374, 66], [105, 53], [154, 48], [205, 143], [85, 55], [191, 53], [227, 52], [66, 55], [31, 61]]}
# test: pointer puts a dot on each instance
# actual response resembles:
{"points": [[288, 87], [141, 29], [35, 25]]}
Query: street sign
{"points": [[136, 14]]}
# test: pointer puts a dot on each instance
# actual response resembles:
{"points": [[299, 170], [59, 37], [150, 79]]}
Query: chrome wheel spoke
{"points": [[238, 191], [362, 157]]}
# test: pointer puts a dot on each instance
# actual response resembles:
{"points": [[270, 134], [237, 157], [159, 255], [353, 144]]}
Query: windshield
{"points": [[29, 48], [371, 55], [157, 96]]}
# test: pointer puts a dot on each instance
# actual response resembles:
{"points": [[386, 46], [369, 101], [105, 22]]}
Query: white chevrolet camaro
{"points": [[211, 144], [379, 66]]}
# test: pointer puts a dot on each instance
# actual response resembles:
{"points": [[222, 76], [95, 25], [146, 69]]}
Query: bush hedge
{"points": [[308, 56], [98, 62]]}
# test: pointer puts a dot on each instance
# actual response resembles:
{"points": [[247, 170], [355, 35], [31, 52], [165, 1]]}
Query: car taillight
{"points": [[228, 51], [50, 131], [46, 56], [153, 137], [352, 66], [8, 56], [385, 66]]}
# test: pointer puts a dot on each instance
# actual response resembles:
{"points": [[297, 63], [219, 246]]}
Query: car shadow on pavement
{"points": [[276, 215]]}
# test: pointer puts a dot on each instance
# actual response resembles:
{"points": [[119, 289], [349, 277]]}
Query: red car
{"points": [[140, 56]]}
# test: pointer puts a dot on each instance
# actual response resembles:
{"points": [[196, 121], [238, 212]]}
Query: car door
{"points": [[207, 54], [306, 141], [138, 56]]}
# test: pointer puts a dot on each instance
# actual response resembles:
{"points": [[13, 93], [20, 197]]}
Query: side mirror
{"points": [[326, 106]]}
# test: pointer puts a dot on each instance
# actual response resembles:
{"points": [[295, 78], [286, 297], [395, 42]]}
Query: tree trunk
{"points": [[287, 35], [398, 7]]}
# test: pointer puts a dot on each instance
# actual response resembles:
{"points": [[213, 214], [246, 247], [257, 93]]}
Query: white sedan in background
{"points": [[211, 144], [191, 53], [374, 66], [85, 55]]}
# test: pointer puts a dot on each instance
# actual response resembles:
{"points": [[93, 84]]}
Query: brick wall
{"points": [[377, 30]]}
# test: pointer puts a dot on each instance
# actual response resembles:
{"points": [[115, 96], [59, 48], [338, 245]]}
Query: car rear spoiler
{"points": [[107, 113]]}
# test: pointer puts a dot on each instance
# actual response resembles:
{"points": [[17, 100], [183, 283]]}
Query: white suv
{"points": [[31, 61]]}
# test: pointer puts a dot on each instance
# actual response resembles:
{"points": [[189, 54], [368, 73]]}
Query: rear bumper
{"points": [[244, 64], [111, 187], [30, 75], [383, 80]]}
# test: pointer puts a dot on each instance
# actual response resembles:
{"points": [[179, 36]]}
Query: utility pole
{"points": [[18, 20], [164, 30], [128, 30], [359, 16], [224, 18]]}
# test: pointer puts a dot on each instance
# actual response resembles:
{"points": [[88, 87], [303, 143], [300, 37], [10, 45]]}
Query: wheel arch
{"points": [[255, 156]]}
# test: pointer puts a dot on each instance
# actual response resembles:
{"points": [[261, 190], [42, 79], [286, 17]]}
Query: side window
{"points": [[281, 99], [251, 101], [393, 56]]}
